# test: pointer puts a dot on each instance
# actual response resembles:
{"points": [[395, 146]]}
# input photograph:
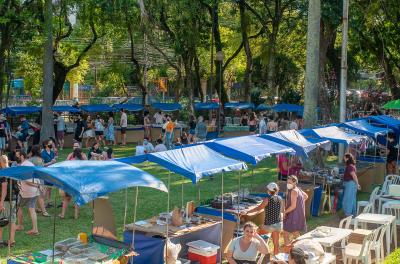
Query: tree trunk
{"points": [[197, 79], [271, 68], [246, 44], [5, 46], [311, 88], [47, 128], [219, 81]]}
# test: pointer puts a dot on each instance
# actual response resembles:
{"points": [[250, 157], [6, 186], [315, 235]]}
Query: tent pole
{"points": [[9, 217], [168, 201], [398, 153], [54, 227], [222, 212], [198, 192], [387, 136], [134, 221], [182, 195], [126, 207], [238, 200]]}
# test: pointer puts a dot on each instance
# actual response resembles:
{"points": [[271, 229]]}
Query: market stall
{"points": [[233, 129], [156, 129], [369, 171], [194, 163], [134, 133], [80, 179]]}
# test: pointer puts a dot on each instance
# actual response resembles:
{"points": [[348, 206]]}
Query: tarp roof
{"points": [[239, 105], [295, 140], [263, 107], [167, 107], [65, 108], [21, 110], [333, 134], [133, 159], [86, 180], [363, 127], [206, 106], [288, 108], [129, 107], [195, 162], [97, 108], [251, 149], [385, 120]]}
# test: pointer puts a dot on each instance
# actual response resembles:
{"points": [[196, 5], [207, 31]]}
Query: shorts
{"points": [[27, 202], [123, 130], [277, 227], [2, 142], [22, 137], [252, 128], [77, 138], [6, 212], [98, 133], [60, 134]]}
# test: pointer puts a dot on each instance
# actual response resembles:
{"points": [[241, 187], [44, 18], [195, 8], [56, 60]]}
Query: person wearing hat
{"points": [[3, 132], [272, 206]]}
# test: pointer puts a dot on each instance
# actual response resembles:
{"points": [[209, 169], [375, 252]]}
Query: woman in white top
{"points": [[244, 249]]}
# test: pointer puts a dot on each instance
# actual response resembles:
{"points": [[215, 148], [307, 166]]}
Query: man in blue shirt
{"points": [[23, 134]]}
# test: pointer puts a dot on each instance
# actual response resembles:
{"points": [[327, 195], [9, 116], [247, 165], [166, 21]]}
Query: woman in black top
{"points": [[273, 214], [192, 128], [392, 152]]}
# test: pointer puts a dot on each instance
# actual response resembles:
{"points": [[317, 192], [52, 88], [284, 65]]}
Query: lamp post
{"points": [[219, 57]]}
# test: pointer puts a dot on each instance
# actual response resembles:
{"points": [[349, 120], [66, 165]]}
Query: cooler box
{"points": [[203, 252]]}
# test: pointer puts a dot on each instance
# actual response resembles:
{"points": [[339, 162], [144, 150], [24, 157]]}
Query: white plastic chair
{"points": [[345, 222], [236, 121], [228, 121], [367, 209], [359, 252], [377, 243], [372, 199], [394, 209], [389, 179]]}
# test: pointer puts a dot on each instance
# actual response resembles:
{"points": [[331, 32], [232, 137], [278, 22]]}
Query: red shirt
{"points": [[282, 159], [347, 172]]}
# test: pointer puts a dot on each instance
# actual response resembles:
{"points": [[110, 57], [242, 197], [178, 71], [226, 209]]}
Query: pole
{"points": [[222, 214], [219, 97], [343, 70], [212, 57]]}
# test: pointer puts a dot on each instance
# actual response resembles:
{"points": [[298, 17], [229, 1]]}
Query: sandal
{"points": [[61, 216], [19, 228], [33, 233], [9, 243], [46, 214]]}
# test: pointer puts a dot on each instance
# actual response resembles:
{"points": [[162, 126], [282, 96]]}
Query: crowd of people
{"points": [[33, 195]]}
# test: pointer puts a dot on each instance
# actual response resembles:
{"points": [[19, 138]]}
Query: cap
{"points": [[272, 186]]}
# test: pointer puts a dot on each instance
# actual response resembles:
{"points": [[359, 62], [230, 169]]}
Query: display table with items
{"points": [[235, 131], [235, 212], [150, 235], [370, 171], [134, 134], [95, 250]]}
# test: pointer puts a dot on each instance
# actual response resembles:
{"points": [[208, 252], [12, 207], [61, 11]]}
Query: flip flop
{"points": [[19, 228], [31, 233], [61, 217]]}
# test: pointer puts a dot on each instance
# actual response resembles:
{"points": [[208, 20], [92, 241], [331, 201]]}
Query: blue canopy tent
{"points": [[295, 140], [251, 149], [263, 107], [129, 107], [288, 108], [333, 134], [387, 121], [364, 128], [167, 107], [206, 106], [97, 108], [195, 162], [133, 159], [241, 106], [65, 108], [86, 180], [21, 110]]}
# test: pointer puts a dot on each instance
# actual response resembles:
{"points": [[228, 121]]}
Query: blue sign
{"points": [[17, 83], [85, 87]]}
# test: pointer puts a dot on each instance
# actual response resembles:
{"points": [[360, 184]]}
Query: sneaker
{"points": [[46, 214]]}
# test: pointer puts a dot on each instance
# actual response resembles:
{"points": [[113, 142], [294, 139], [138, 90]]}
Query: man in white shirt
{"points": [[293, 125], [28, 194], [160, 146], [159, 118], [262, 125], [124, 124]]}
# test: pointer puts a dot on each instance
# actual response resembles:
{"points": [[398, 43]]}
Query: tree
{"points": [[47, 129], [311, 88]]}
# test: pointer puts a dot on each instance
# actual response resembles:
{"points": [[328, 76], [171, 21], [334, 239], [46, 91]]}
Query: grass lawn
{"points": [[150, 203]]}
